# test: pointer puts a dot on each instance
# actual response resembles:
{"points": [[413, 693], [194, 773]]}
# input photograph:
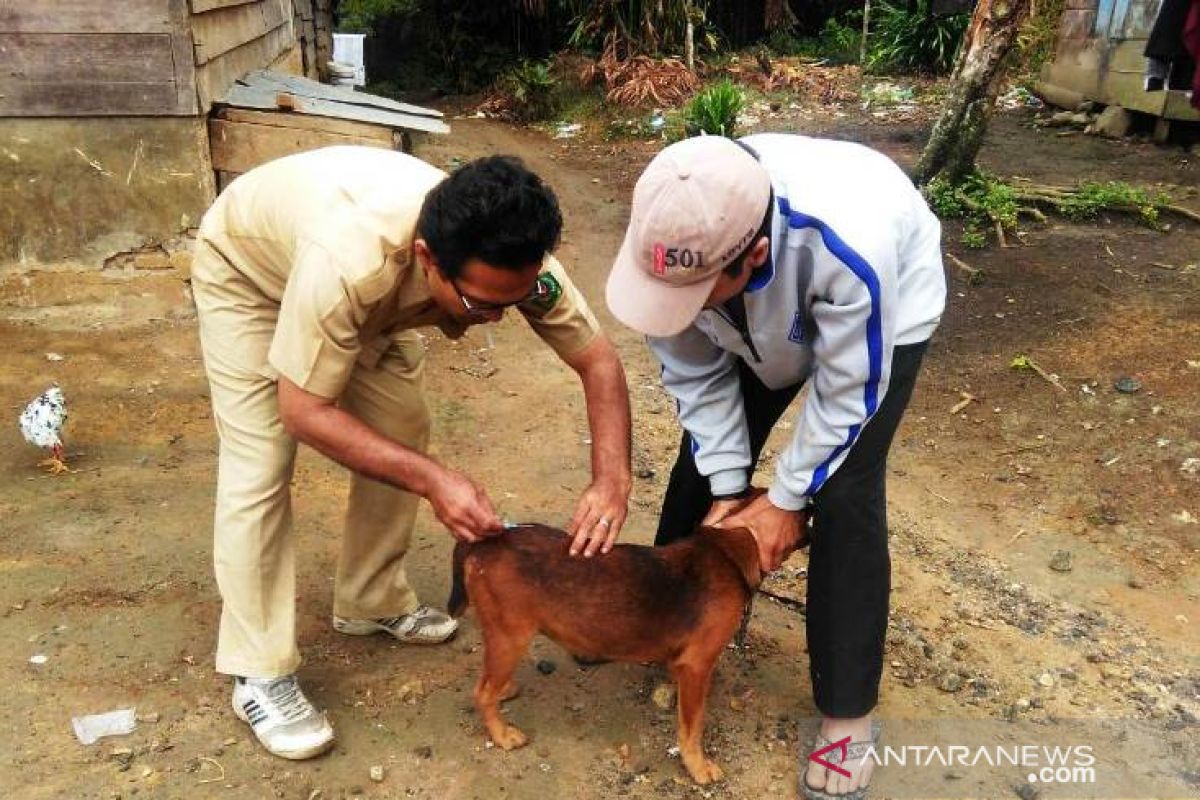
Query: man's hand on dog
{"points": [[778, 531], [463, 507], [598, 517]]}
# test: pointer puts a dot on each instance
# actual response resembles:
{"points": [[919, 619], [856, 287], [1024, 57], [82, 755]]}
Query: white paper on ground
{"points": [[95, 726]]}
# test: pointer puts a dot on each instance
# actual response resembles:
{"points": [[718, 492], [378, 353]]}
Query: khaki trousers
{"points": [[253, 551]]}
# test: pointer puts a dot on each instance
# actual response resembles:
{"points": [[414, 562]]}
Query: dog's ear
{"points": [[740, 547]]}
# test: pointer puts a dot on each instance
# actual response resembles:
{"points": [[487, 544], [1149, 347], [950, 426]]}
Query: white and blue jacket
{"points": [[855, 270]]}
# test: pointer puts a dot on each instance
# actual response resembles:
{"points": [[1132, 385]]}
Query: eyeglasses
{"points": [[481, 308]]}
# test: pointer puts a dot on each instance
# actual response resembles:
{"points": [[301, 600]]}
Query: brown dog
{"points": [[676, 605]]}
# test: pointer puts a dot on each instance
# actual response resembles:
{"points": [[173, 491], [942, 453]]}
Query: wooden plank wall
{"points": [[314, 36], [74, 58], [233, 37]]}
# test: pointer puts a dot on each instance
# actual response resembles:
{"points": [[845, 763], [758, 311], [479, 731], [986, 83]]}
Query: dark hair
{"points": [[734, 267], [493, 209]]}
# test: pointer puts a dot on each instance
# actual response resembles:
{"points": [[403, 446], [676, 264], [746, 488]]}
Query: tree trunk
{"points": [[862, 43], [958, 133], [777, 14]]}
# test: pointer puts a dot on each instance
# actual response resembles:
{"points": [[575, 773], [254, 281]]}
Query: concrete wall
{"points": [[84, 189], [1099, 56]]}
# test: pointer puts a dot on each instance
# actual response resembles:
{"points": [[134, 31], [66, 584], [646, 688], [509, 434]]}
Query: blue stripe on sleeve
{"points": [[864, 272]]}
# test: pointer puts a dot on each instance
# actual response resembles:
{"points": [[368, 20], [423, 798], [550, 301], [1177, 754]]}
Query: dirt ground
{"points": [[106, 572]]}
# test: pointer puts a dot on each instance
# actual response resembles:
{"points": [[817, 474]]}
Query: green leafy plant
{"points": [[986, 203], [360, 16], [649, 27], [916, 41], [1092, 198], [714, 110], [840, 39], [531, 86]]}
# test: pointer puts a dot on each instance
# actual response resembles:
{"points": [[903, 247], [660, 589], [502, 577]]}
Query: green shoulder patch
{"points": [[546, 293]]}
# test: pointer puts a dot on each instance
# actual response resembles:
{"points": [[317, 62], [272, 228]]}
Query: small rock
{"points": [[1128, 385], [1046, 679], [1113, 122], [1060, 561], [645, 473], [663, 696], [546, 666], [151, 718], [424, 751], [1027, 791], [54, 357], [1136, 583], [1190, 466], [377, 773], [950, 682]]}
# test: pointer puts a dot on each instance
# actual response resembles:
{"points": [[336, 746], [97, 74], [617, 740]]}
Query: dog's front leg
{"points": [[693, 680]]}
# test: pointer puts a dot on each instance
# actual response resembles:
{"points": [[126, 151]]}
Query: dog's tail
{"points": [[457, 603]]}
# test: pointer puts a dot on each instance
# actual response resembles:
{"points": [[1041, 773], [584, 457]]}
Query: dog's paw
{"points": [[509, 738], [704, 771]]}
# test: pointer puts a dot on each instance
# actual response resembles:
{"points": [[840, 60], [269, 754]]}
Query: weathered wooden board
{"points": [[185, 66], [23, 98], [214, 78], [91, 58], [241, 146], [200, 6], [84, 16], [106, 74], [284, 119], [220, 31]]}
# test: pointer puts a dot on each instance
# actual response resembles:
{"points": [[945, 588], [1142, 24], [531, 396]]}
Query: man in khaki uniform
{"points": [[311, 274]]}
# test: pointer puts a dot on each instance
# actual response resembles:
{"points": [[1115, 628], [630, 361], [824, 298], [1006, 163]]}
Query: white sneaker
{"points": [[281, 717], [424, 626]]}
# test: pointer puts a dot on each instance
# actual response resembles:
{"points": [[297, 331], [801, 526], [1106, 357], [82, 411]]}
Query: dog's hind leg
{"points": [[503, 648], [693, 675]]}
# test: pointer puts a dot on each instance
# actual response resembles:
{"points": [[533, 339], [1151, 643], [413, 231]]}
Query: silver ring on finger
{"points": [[604, 521]]}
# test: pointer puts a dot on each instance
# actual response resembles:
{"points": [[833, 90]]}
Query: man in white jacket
{"points": [[755, 267]]}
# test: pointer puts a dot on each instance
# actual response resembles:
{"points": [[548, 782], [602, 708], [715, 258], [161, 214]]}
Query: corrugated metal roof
{"points": [[270, 91]]}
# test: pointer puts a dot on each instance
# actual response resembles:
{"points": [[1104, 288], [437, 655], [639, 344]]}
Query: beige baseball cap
{"points": [[695, 208]]}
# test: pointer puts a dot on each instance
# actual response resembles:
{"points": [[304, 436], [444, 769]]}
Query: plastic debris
{"points": [[1019, 97], [96, 726], [567, 130]]}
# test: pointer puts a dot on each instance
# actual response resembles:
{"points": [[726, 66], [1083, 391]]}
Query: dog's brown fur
{"points": [[677, 605]]}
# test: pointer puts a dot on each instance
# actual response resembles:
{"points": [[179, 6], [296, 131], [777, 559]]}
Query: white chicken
{"points": [[42, 423]]}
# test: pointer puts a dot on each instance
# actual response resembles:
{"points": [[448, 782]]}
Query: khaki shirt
{"points": [[328, 235]]}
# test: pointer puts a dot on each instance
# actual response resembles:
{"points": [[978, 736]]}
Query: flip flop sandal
{"points": [[854, 752]]}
